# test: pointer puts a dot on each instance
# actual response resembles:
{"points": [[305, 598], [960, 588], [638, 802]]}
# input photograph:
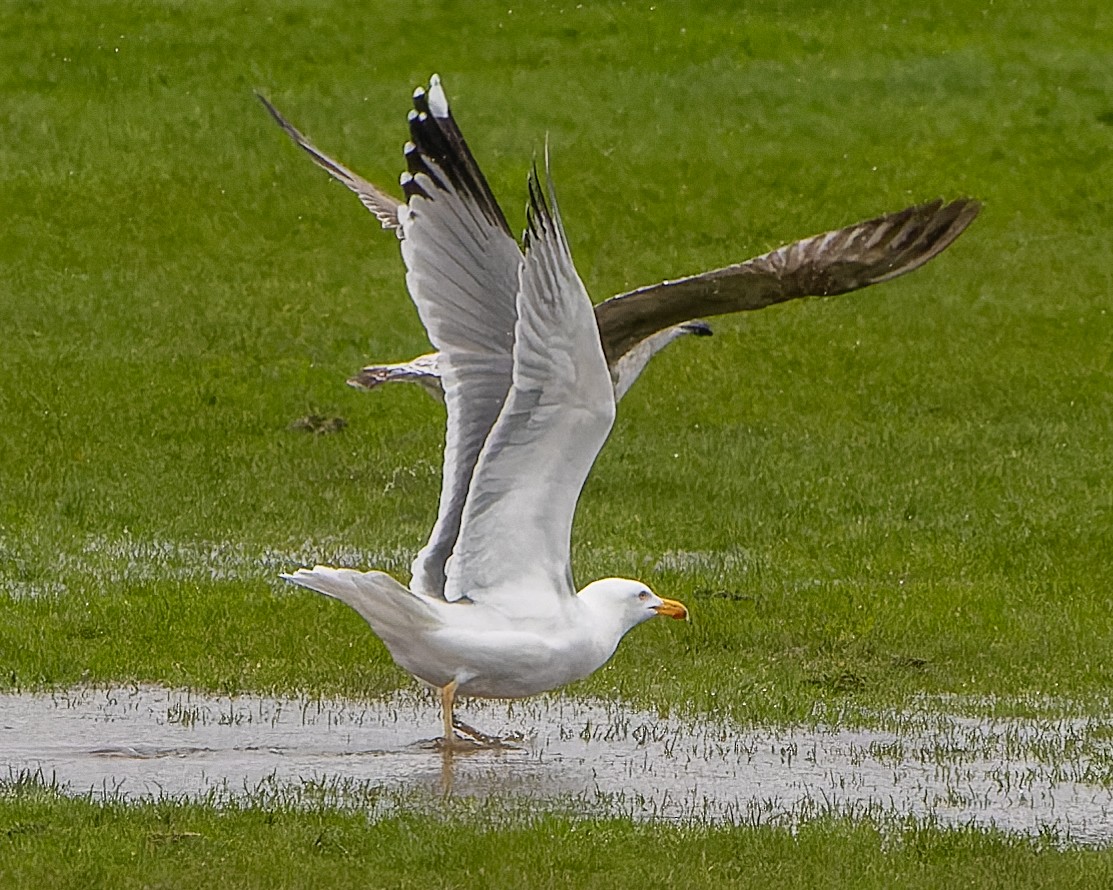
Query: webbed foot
{"points": [[484, 740]]}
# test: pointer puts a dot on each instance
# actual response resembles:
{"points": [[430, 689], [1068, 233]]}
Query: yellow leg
{"points": [[448, 697]]}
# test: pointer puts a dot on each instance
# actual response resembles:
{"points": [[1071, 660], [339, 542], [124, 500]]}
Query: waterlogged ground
{"points": [[1023, 775], [35, 569], [30, 569]]}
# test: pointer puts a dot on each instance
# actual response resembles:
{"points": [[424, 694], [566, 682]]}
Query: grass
{"points": [[76, 843], [863, 499]]}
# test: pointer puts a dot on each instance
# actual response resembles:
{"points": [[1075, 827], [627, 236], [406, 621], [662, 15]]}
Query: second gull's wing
{"points": [[513, 550], [384, 206], [421, 370], [832, 263]]}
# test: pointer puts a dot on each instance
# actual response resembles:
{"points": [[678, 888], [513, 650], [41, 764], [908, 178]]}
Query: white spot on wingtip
{"points": [[405, 179], [408, 148], [438, 101], [419, 92]]}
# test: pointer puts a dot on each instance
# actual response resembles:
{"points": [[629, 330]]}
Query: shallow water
{"points": [[597, 757]]}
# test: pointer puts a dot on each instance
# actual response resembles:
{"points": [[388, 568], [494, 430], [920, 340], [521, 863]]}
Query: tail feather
{"points": [[391, 609]]}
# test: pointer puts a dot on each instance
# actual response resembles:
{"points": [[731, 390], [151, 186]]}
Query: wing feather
{"points": [[384, 206], [513, 550], [831, 263], [462, 273]]}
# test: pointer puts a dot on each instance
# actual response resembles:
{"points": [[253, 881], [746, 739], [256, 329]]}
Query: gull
{"points": [[635, 326], [491, 609]]}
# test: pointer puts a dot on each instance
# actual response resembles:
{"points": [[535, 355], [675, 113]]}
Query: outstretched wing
{"points": [[462, 272], [421, 370], [832, 263], [384, 206], [513, 551]]}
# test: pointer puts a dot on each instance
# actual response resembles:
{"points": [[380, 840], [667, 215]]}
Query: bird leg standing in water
{"points": [[448, 698], [450, 741]]}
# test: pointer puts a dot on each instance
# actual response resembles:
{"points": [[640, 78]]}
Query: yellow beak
{"points": [[672, 609]]}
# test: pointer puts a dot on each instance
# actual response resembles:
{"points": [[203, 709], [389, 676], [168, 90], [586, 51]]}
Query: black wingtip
{"points": [[969, 208], [697, 328], [294, 133], [537, 209], [411, 187], [439, 142], [271, 109], [542, 212]]}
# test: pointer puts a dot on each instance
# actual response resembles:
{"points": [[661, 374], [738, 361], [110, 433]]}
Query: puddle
{"points": [[1025, 776]]}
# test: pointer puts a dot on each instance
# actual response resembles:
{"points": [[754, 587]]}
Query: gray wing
{"points": [[384, 206], [832, 263], [421, 370], [462, 272], [513, 551], [630, 365]]}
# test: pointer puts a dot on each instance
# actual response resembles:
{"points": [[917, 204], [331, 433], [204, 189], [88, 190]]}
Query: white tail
{"points": [[392, 611]]}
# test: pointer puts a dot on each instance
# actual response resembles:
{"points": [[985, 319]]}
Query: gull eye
{"points": [[644, 595]]}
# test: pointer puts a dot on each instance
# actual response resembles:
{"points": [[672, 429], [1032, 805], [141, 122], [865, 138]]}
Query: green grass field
{"points": [[164, 845], [863, 499]]}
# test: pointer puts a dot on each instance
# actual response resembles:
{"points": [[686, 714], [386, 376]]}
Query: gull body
{"points": [[491, 609], [490, 654]]}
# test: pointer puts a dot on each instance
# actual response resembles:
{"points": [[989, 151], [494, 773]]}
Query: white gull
{"points": [[491, 609]]}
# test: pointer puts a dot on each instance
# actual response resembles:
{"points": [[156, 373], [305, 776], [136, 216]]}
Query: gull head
{"points": [[631, 602]]}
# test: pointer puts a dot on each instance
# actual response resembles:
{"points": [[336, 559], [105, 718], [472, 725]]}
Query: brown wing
{"points": [[832, 263], [384, 206]]}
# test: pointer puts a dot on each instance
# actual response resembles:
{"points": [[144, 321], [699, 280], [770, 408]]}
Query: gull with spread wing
{"points": [[491, 609], [635, 326]]}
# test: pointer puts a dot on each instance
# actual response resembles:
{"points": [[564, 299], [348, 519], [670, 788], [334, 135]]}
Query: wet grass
{"points": [[46, 838], [567, 756], [865, 500], [872, 497]]}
